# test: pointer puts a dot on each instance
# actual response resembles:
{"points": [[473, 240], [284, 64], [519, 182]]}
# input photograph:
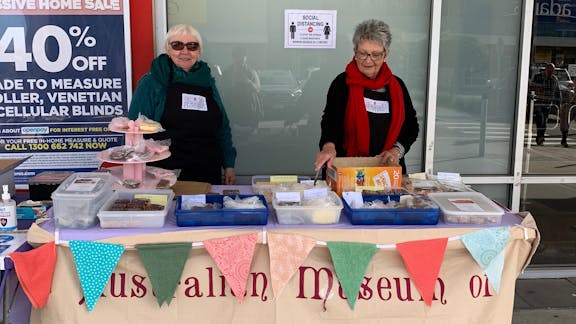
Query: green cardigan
{"points": [[150, 97]]}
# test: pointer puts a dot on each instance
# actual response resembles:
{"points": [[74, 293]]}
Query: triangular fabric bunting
{"points": [[95, 262], [287, 253], [487, 248], [423, 260], [233, 256], [164, 264], [350, 262], [35, 269]]}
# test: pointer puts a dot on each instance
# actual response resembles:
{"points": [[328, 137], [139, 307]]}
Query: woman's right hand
{"points": [[326, 156]]}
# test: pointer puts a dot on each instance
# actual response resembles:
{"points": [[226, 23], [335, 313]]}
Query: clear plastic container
{"points": [[467, 208], [307, 215], [78, 199], [135, 218]]}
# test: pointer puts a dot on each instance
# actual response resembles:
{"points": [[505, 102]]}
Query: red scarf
{"points": [[356, 125]]}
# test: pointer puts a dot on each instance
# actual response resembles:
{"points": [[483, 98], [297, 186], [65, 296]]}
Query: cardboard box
{"points": [[7, 167], [350, 172]]}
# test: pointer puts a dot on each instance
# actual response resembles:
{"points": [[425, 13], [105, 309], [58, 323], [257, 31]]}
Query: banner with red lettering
{"points": [[462, 292]]}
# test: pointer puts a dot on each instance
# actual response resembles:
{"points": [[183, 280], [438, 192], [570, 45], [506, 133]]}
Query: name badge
{"points": [[194, 102], [377, 106]]}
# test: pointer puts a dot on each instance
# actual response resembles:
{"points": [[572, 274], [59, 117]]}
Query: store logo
{"points": [[35, 130], [552, 8]]}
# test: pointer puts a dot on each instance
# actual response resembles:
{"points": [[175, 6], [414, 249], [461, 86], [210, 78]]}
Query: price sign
{"points": [[64, 74]]}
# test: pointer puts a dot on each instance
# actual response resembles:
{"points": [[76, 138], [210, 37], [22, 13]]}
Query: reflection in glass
{"points": [[477, 87], [552, 206]]}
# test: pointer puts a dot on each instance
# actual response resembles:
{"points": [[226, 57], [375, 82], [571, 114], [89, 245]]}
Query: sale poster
{"points": [[63, 76]]}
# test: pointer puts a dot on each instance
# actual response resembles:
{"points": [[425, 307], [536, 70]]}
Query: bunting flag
{"points": [[350, 262], [487, 248], [95, 262], [35, 269], [287, 253], [423, 260], [233, 256], [164, 264]]}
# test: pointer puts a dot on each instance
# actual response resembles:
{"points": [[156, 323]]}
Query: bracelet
{"points": [[400, 148]]}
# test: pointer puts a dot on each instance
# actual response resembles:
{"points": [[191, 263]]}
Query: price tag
{"points": [[154, 198], [370, 188], [287, 196], [353, 199], [450, 176], [284, 178], [194, 200], [315, 193], [307, 182]]}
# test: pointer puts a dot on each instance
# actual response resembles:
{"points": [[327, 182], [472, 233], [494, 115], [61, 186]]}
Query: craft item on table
{"points": [[130, 184], [120, 153], [157, 146], [243, 203], [385, 191], [167, 178], [119, 123], [146, 124]]}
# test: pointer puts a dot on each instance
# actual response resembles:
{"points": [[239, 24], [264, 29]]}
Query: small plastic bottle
{"points": [[8, 219]]}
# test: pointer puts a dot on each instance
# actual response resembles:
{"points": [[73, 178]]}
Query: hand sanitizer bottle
{"points": [[8, 219]]}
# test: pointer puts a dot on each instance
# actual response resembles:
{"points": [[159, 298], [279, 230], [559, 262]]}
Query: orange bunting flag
{"points": [[423, 260], [35, 269], [287, 253], [233, 256]]}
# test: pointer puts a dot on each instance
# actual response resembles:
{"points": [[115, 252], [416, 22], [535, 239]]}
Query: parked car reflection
{"points": [[279, 89]]}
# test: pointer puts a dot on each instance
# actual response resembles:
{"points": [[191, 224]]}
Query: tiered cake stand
{"points": [[134, 171]]}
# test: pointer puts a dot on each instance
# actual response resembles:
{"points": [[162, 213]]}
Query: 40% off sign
{"points": [[20, 57]]}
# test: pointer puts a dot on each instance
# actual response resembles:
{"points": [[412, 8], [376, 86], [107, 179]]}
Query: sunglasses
{"points": [[191, 46]]}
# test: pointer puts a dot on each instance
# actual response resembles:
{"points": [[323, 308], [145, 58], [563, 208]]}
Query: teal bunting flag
{"points": [[95, 262], [487, 248], [350, 262], [164, 264]]}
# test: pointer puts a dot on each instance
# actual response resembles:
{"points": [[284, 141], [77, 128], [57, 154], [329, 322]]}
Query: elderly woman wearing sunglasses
{"points": [[180, 93], [368, 110]]}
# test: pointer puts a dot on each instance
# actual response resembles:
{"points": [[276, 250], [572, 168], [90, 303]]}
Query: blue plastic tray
{"points": [[392, 216], [221, 217]]}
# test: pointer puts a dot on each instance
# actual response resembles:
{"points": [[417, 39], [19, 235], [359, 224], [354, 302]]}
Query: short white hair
{"points": [[179, 30]]}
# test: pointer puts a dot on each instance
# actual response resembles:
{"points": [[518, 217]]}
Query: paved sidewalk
{"points": [[545, 301]]}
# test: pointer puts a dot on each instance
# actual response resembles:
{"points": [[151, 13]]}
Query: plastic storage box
{"points": [[467, 208], [221, 217], [262, 185], [136, 218], [78, 199], [42, 185], [308, 215], [392, 216]]}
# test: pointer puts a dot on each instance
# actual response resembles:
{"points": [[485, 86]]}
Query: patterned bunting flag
{"points": [[35, 269], [287, 252], [164, 264], [95, 262], [350, 262], [233, 256], [423, 260], [487, 248]]}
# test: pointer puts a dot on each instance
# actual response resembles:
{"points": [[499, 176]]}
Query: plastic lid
{"points": [[5, 193], [84, 185]]}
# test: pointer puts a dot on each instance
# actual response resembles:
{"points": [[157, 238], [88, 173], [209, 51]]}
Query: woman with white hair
{"points": [[181, 94]]}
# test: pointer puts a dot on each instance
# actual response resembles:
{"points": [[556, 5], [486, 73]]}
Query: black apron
{"points": [[194, 148]]}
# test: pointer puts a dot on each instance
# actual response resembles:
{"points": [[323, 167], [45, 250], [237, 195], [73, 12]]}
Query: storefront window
{"points": [[477, 80], [276, 129], [552, 206]]}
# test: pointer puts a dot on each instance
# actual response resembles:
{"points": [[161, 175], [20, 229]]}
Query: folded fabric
{"points": [[35, 269]]}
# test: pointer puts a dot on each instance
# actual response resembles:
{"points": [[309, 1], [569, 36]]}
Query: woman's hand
{"points": [[327, 155], [391, 156], [229, 176]]}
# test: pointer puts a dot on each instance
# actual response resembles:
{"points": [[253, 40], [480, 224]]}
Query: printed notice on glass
{"points": [[309, 28], [64, 74]]}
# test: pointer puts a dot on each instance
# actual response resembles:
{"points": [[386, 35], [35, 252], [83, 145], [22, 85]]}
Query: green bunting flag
{"points": [[350, 262], [164, 264]]}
